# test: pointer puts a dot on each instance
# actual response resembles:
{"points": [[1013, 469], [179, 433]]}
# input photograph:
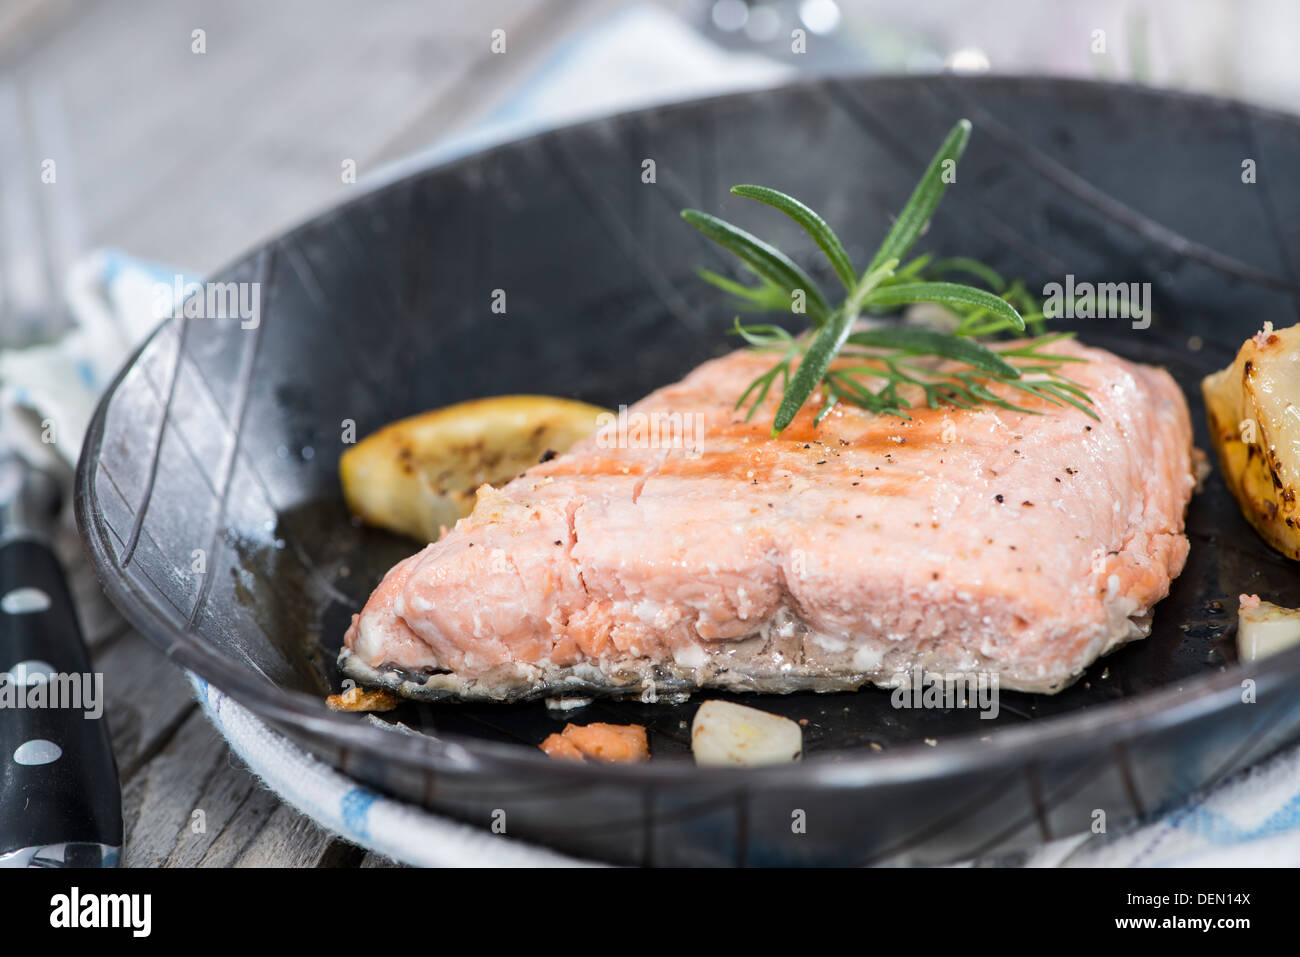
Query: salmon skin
{"points": [[840, 554]]}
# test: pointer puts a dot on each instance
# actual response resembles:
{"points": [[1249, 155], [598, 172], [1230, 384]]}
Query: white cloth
{"points": [[401, 831], [639, 55], [1253, 819]]}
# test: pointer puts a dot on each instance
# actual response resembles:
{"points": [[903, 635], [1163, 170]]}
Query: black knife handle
{"points": [[58, 779]]}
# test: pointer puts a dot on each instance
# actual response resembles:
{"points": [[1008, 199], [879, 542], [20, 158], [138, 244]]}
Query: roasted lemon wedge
{"points": [[1254, 417], [418, 475]]}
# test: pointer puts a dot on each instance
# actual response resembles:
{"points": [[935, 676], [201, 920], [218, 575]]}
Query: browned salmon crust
{"points": [[831, 557]]}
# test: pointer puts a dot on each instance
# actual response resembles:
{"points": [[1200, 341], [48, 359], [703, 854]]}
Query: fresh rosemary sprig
{"points": [[887, 359]]}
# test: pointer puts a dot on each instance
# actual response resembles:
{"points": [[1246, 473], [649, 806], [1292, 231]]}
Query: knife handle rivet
{"points": [[24, 601], [29, 672], [37, 751]]}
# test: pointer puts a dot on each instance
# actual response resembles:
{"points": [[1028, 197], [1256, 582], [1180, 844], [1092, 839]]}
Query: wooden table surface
{"points": [[189, 159]]}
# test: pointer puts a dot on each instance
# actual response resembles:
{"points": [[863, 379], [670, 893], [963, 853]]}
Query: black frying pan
{"points": [[224, 439]]}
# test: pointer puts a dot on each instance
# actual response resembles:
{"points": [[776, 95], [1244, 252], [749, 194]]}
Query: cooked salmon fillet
{"points": [[837, 555]]}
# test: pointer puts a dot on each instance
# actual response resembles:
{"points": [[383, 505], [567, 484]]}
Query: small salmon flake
{"points": [[560, 748], [605, 743], [363, 699]]}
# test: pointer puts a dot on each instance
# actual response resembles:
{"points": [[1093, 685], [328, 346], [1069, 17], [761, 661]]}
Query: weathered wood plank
{"points": [[378, 860], [196, 804], [98, 618], [282, 838], [159, 801], [146, 699], [248, 136]]}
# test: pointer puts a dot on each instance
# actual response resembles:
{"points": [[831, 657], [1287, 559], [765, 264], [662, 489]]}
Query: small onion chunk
{"points": [[1264, 629]]}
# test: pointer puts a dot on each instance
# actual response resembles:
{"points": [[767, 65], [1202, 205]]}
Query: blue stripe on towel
{"points": [[355, 808]]}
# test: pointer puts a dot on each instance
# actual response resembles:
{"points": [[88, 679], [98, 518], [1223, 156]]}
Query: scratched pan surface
{"points": [[225, 439]]}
